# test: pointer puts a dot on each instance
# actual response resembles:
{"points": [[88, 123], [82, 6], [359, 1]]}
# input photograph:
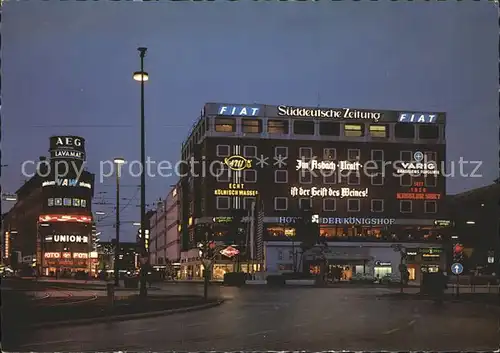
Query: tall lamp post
{"points": [[118, 163], [142, 77]]}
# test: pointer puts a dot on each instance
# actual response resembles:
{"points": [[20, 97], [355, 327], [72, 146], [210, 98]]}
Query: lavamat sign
{"points": [[341, 221], [67, 147], [327, 165], [343, 113], [328, 192]]}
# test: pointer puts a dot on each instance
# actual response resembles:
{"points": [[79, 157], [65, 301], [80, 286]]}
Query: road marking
{"points": [[391, 331], [260, 333], [45, 343], [412, 322], [139, 331]]}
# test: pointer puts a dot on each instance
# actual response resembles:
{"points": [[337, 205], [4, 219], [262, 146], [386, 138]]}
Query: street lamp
{"points": [[142, 77], [118, 162]]}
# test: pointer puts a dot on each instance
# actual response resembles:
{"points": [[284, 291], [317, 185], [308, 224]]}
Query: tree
{"points": [[308, 233]]}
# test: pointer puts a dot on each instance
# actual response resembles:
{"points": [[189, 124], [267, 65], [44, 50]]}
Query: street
{"points": [[289, 319]]}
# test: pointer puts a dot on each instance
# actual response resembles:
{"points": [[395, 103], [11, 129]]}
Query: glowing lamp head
{"points": [[119, 160], [141, 76]]}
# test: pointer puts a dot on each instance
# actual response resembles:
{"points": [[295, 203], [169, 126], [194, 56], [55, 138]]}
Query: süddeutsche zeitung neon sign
{"points": [[344, 113], [328, 192]]}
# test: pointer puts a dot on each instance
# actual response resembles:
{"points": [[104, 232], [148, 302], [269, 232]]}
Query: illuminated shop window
{"points": [[377, 205], [305, 177], [329, 154], [76, 202], [305, 153], [305, 203], [353, 205], [329, 128], [353, 154], [281, 203], [58, 201], [281, 176], [428, 132], [251, 126], [83, 203], [222, 202], [250, 176], [430, 180], [247, 202], [377, 179], [225, 125], [353, 130], [406, 156], [277, 126], [404, 130], [405, 180], [223, 150], [329, 204], [405, 206], [281, 151], [379, 131], [250, 151], [430, 207], [50, 202], [302, 127]]}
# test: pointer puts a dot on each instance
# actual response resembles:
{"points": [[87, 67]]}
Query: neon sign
{"points": [[52, 255], [238, 110], [328, 165], [426, 118], [70, 238], [235, 190], [328, 192], [418, 192], [66, 182], [237, 162], [344, 113], [65, 218], [418, 167], [341, 221], [80, 255]]}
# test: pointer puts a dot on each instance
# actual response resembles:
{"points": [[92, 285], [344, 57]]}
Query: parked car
{"points": [[391, 278], [362, 278]]}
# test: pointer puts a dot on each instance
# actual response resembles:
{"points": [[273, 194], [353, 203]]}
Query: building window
{"points": [[377, 155], [430, 207], [302, 127], [280, 255], [223, 150], [377, 205], [247, 202], [406, 180], [281, 203], [223, 174], [329, 177], [430, 156], [277, 126], [223, 202], [353, 205], [305, 153], [251, 126], [428, 132], [329, 128], [406, 156], [380, 131], [281, 151], [50, 202], [404, 130], [281, 176], [430, 180], [353, 155], [305, 177], [329, 154], [329, 204], [250, 151], [405, 206], [305, 203], [353, 130], [354, 178], [250, 176], [225, 125], [377, 179]]}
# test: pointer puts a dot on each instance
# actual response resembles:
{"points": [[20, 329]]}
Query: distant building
{"points": [[127, 255], [476, 216]]}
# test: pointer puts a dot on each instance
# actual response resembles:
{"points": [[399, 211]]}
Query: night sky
{"points": [[67, 69]]}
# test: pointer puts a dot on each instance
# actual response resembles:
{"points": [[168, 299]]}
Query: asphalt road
{"points": [[288, 319]]}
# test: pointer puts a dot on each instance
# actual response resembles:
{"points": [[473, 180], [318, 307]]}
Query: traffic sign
{"points": [[457, 268]]}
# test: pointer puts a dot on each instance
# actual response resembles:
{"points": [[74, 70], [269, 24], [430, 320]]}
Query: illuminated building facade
{"points": [[372, 178], [53, 215]]}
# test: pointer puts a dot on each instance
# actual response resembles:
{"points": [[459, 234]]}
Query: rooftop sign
{"points": [[344, 113], [238, 110]]}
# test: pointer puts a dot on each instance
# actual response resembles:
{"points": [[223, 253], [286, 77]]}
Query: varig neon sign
{"points": [[237, 162]]}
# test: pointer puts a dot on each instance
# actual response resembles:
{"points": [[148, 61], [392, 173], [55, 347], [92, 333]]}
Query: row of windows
{"points": [[329, 177], [326, 128], [328, 153], [329, 204], [68, 202]]}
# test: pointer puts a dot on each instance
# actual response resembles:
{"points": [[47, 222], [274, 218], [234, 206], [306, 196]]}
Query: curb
{"points": [[126, 316]]}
